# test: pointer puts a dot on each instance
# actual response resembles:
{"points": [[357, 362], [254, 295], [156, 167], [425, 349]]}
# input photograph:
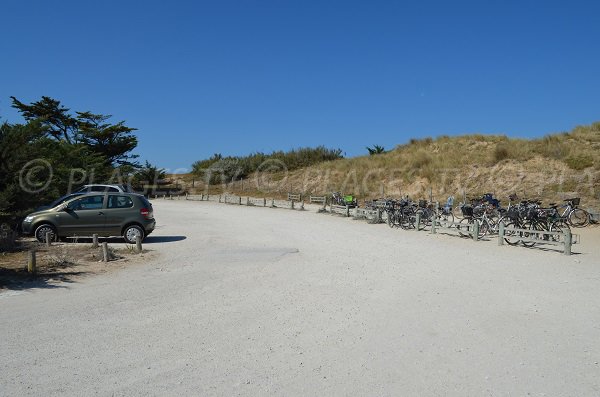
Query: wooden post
{"points": [[219, 198], [31, 263], [568, 242], [378, 215], [105, 256], [501, 233], [475, 230], [302, 206], [272, 203], [240, 200], [138, 244], [264, 202], [94, 240], [248, 200], [418, 222], [292, 204], [48, 239], [434, 224], [347, 211]]}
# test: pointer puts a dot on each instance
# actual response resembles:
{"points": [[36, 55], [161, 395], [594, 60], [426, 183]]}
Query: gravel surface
{"points": [[257, 301]]}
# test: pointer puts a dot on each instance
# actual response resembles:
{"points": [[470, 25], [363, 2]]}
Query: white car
{"points": [[117, 188]]}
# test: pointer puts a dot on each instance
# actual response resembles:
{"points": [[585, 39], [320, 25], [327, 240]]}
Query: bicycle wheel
{"points": [[463, 227], [407, 221], [446, 219], [390, 218], [559, 226], [512, 237], [493, 223], [534, 227], [484, 227], [579, 218], [423, 219]]}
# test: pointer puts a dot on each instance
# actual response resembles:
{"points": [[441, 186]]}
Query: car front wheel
{"points": [[41, 230], [131, 232]]}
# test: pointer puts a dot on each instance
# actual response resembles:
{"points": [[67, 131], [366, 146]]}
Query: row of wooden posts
{"points": [[294, 201], [32, 261]]}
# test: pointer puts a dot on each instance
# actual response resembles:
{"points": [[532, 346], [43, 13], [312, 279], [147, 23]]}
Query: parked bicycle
{"points": [[575, 216]]}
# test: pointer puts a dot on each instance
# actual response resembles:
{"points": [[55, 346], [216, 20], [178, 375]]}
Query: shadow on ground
{"points": [[163, 239], [19, 279], [119, 240]]}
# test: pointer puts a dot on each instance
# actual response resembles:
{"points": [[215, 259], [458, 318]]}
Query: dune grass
{"points": [[552, 168]]}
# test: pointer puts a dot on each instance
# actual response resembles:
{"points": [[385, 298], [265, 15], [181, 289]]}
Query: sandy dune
{"points": [[257, 301]]}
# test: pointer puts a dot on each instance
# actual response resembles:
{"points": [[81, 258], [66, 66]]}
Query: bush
{"points": [[501, 152], [579, 162]]}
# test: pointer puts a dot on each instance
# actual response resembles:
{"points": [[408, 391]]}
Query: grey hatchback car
{"points": [[106, 214]]}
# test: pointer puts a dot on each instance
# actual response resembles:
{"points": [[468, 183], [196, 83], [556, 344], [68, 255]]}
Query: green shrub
{"points": [[501, 152], [579, 162]]}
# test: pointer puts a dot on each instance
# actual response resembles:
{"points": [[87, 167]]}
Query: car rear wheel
{"points": [[41, 230], [131, 232]]}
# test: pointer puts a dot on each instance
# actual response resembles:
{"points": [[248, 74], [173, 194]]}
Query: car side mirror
{"points": [[63, 207]]}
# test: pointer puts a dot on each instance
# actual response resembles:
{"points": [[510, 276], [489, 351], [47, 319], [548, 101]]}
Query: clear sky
{"points": [[234, 77]]}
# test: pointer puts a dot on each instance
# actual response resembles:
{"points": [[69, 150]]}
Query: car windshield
{"points": [[63, 199]]}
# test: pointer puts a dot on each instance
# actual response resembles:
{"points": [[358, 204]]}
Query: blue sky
{"points": [[235, 77]]}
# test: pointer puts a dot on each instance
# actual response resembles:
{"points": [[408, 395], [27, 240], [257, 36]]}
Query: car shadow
{"points": [[163, 239], [119, 240]]}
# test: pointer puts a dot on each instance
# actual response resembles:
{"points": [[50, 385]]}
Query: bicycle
{"points": [[466, 223], [575, 216]]}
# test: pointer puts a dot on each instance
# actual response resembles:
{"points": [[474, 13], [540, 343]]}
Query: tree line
{"points": [[42, 157]]}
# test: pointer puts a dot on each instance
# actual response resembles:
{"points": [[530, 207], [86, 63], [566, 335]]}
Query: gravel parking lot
{"points": [[257, 301]]}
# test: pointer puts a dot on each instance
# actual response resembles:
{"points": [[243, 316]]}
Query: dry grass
{"points": [[551, 168]]}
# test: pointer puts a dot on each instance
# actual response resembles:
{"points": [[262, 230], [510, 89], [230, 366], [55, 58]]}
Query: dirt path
{"points": [[256, 301]]}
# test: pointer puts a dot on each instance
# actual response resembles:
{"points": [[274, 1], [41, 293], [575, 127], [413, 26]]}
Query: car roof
{"points": [[121, 186]]}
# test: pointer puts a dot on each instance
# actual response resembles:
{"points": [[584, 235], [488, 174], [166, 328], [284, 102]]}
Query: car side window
{"points": [[120, 202], [86, 203]]}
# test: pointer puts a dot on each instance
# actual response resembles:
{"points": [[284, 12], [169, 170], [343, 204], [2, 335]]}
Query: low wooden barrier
{"points": [[339, 209], [319, 200], [258, 202], [197, 197], [462, 229], [294, 197], [565, 239], [291, 204], [231, 199], [372, 216]]}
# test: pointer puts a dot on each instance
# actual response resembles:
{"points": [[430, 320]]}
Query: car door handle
{"points": [[100, 213]]}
